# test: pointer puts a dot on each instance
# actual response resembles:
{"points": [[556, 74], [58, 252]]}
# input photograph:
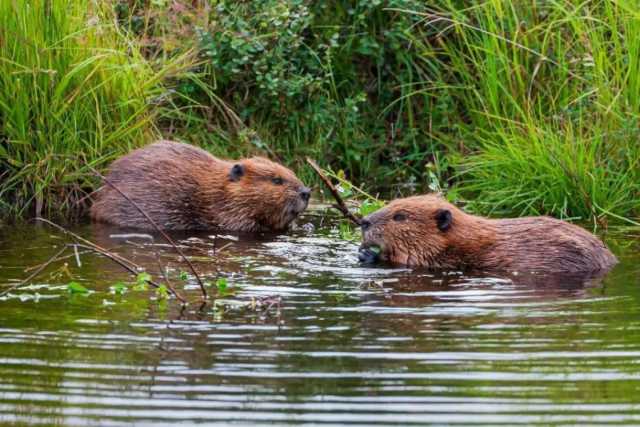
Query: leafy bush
{"points": [[338, 79]]}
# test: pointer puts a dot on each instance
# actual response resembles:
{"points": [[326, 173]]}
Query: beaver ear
{"points": [[443, 219], [236, 172]]}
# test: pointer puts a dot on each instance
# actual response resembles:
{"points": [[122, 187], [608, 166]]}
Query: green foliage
{"points": [[76, 288], [348, 232], [222, 284], [224, 288], [550, 93], [521, 107], [320, 77], [162, 293], [143, 277], [119, 288], [141, 281], [369, 206], [72, 88]]}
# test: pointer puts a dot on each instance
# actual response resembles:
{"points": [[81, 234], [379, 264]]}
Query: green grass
{"points": [[551, 93], [73, 88]]}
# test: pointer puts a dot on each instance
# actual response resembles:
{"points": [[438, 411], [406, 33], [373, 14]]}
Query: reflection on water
{"points": [[351, 345]]}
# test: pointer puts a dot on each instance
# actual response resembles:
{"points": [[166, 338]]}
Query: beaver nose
{"points": [[305, 193], [369, 255], [365, 224]]}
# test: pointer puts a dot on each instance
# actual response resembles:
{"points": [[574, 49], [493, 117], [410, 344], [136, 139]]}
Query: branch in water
{"points": [[158, 229], [340, 204], [128, 265], [35, 273]]}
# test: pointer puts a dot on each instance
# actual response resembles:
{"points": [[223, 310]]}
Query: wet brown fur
{"points": [[183, 187], [533, 244]]}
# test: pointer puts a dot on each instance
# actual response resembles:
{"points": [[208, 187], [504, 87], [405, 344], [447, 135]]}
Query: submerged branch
{"points": [[125, 263], [340, 204], [35, 273], [158, 229]]}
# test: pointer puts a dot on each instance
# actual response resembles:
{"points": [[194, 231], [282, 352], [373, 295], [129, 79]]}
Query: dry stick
{"points": [[158, 229], [340, 204], [128, 265], [35, 273]]}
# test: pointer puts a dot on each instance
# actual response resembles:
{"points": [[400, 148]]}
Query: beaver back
{"points": [[182, 187]]}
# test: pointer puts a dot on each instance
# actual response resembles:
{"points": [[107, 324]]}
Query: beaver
{"points": [[182, 187], [427, 231]]}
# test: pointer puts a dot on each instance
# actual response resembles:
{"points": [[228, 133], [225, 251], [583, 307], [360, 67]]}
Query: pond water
{"points": [[348, 345]]}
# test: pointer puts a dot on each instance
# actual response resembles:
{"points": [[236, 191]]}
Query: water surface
{"points": [[349, 344]]}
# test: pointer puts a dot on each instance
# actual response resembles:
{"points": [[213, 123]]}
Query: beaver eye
{"points": [[277, 180], [399, 217]]}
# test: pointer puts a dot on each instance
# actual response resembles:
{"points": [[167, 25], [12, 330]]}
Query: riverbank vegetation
{"points": [[515, 107]]}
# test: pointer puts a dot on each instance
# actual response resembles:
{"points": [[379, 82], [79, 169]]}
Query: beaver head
{"points": [[423, 231], [268, 193]]}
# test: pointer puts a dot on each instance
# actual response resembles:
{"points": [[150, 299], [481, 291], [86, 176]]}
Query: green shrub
{"points": [[327, 79]]}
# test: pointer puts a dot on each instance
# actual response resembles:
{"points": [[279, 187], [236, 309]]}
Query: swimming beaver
{"points": [[428, 231], [182, 187]]}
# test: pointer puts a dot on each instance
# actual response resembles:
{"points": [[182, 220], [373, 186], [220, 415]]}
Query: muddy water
{"points": [[349, 345]]}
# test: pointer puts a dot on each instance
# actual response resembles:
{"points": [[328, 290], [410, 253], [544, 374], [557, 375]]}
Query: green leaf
{"points": [[143, 278], [347, 232], [183, 276], [162, 292], [76, 288], [119, 288], [140, 286], [222, 284], [370, 206]]}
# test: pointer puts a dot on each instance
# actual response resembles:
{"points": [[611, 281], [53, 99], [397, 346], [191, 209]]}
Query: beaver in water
{"points": [[182, 187], [427, 231]]}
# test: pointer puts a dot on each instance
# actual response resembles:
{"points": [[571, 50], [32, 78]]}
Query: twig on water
{"points": [[75, 252], [35, 273], [134, 271], [36, 266], [158, 229], [340, 204], [125, 263], [85, 241]]}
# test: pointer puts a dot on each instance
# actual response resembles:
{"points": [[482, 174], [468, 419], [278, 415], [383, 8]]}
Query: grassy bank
{"points": [[551, 96], [73, 91], [515, 106]]}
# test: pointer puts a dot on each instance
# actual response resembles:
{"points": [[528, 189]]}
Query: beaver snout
{"points": [[305, 193], [369, 254], [298, 204], [365, 224]]}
